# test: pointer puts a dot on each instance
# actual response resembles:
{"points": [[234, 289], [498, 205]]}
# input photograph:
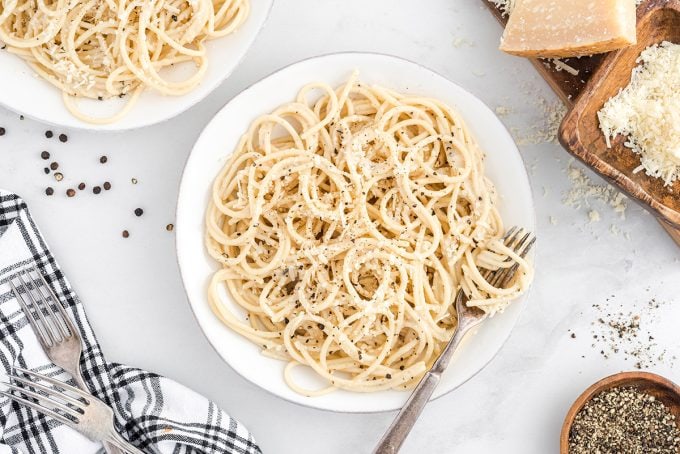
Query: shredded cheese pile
{"points": [[648, 112]]}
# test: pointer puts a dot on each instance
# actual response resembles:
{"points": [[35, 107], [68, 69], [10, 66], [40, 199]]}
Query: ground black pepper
{"points": [[624, 420], [107, 185], [63, 138], [45, 155]]}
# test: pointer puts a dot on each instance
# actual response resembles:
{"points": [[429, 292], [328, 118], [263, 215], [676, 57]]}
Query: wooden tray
{"points": [[569, 87]]}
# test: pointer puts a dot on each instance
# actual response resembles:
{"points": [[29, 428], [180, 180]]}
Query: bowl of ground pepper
{"points": [[629, 412]]}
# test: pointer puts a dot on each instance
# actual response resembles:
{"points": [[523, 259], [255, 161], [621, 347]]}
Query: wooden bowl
{"points": [[661, 388], [580, 134]]}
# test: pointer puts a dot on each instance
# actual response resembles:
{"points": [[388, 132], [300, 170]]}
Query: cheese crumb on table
{"points": [[558, 28], [583, 191], [647, 111]]}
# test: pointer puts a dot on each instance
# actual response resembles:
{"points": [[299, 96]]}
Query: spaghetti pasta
{"points": [[100, 49], [344, 227]]}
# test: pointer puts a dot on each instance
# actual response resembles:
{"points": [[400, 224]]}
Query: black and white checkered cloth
{"points": [[154, 413]]}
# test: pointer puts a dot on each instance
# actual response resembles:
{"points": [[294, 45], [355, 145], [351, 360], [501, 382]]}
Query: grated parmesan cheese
{"points": [[648, 112], [583, 191]]}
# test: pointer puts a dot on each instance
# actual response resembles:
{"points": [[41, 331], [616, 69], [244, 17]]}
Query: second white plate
{"points": [[30, 95], [503, 165]]}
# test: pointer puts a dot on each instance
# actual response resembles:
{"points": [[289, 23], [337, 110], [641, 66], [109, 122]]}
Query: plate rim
{"points": [[110, 128], [309, 403]]}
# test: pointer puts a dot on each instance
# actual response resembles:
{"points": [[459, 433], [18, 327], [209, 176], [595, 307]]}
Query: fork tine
{"points": [[522, 253], [42, 338], [501, 273], [515, 246], [39, 408], [66, 328], [55, 382], [487, 274], [504, 275], [49, 391], [43, 400], [33, 304]]}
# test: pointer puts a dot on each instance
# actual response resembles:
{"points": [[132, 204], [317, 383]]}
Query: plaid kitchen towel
{"points": [[154, 413]]}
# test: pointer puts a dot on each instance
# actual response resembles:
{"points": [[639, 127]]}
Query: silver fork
{"points": [[67, 404], [519, 241], [55, 331]]}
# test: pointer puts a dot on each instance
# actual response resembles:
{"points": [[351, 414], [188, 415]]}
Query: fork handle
{"points": [[394, 437]]}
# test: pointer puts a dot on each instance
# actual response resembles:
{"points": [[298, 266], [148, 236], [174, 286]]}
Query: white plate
{"points": [[504, 165], [30, 95]]}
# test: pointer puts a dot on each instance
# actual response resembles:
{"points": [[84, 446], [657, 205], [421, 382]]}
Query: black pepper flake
{"points": [[103, 159], [107, 185], [96, 189], [49, 191], [139, 212], [388, 376], [63, 138], [49, 134], [70, 192], [126, 234], [45, 155], [81, 186]]}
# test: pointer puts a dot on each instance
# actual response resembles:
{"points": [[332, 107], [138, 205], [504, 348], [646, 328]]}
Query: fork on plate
{"points": [[62, 343], [520, 241]]}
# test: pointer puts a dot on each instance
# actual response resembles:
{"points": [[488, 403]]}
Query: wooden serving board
{"points": [[568, 86]]}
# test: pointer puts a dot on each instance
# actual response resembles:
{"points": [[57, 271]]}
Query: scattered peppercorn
{"points": [[81, 186], [126, 234], [134, 181], [63, 138], [49, 134], [103, 159], [96, 189], [139, 212], [54, 165], [169, 227], [49, 191], [21, 117], [58, 176], [624, 420], [70, 192], [107, 185], [2, 131], [46, 170], [45, 155]]}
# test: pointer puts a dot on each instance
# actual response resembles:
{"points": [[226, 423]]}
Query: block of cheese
{"points": [[569, 28]]}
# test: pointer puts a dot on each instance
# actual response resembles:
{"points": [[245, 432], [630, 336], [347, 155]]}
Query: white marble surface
{"points": [[132, 291]]}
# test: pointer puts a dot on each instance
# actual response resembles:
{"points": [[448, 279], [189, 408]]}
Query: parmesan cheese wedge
{"points": [[569, 28]]}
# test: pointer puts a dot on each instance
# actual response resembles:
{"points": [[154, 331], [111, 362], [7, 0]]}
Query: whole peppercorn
{"points": [[96, 189], [107, 185], [126, 234], [45, 155], [70, 192], [63, 138], [139, 212], [49, 191]]}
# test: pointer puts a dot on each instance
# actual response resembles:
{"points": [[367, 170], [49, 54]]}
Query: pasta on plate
{"points": [[100, 49], [344, 223]]}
